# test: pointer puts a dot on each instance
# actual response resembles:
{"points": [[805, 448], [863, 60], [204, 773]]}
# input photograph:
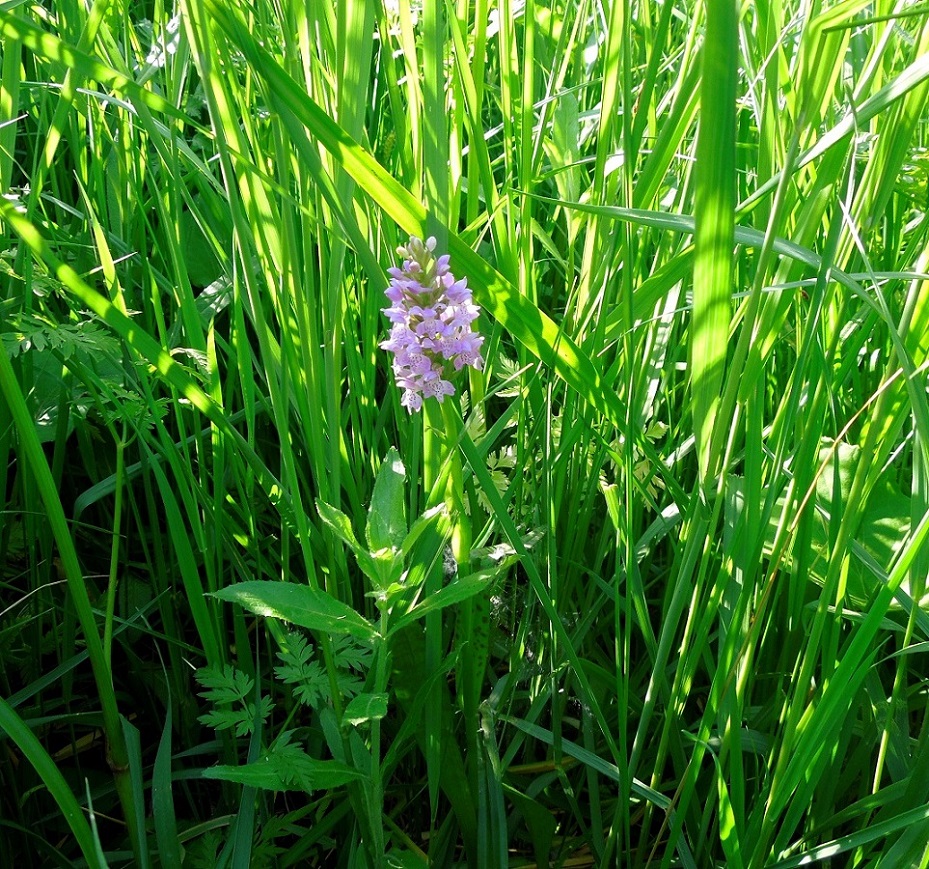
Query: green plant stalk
{"points": [[444, 425], [461, 529], [473, 643], [435, 489], [474, 612], [116, 750], [114, 553], [375, 800]]}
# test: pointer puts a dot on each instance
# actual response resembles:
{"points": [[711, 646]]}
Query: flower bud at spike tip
{"points": [[431, 315]]}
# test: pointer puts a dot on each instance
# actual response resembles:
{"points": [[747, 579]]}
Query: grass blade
{"points": [[714, 207], [35, 753]]}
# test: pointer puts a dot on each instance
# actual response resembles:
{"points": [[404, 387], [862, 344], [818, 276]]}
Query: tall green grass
{"points": [[649, 591]]}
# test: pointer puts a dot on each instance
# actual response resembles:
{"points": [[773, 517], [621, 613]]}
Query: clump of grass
{"points": [[647, 589]]}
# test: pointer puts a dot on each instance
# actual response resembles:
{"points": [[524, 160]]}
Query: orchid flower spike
{"points": [[431, 336]]}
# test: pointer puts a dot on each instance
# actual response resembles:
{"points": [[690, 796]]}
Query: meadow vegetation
{"points": [[648, 590]]}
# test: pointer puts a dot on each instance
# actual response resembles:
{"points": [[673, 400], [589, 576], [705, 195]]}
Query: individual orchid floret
{"points": [[431, 334]]}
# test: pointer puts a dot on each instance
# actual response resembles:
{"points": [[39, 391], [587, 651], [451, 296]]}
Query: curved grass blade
{"points": [[49, 46], [41, 761], [34, 457]]}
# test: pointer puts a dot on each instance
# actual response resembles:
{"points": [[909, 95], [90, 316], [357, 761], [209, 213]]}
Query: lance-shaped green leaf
{"points": [[299, 605], [455, 592], [341, 526], [387, 514], [434, 516]]}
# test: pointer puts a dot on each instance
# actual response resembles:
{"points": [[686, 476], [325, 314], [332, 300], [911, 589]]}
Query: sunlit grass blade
{"points": [[714, 208], [9, 108]]}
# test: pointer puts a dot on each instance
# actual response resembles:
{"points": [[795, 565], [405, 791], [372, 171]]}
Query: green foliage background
{"points": [[650, 591]]}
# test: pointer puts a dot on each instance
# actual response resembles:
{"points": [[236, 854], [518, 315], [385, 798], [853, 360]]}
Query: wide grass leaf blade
{"points": [[715, 214]]}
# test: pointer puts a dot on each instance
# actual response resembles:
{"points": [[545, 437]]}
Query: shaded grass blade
{"points": [[43, 764], [169, 849]]}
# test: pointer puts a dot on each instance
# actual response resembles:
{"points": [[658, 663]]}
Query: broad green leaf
{"points": [[365, 707], [169, 847], [882, 531], [340, 524], [539, 820], [298, 605], [200, 260], [398, 859], [387, 514], [305, 775]]}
